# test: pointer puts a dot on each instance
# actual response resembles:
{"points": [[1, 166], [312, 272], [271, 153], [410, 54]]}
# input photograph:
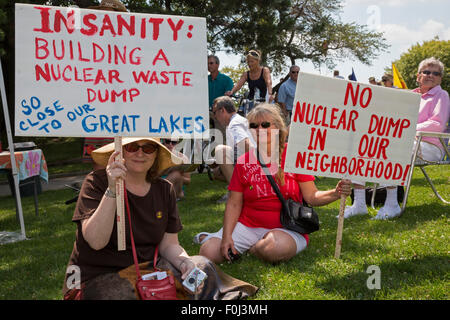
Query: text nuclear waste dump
{"points": [[118, 25], [372, 148]]}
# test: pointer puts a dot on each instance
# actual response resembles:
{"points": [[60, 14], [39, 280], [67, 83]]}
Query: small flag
{"points": [[353, 76], [398, 80]]}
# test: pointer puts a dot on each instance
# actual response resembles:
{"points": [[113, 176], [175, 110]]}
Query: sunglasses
{"points": [[294, 72], [146, 148], [254, 54], [428, 72], [264, 125], [170, 142]]}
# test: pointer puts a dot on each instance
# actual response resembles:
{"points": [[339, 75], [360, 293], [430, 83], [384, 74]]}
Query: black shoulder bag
{"points": [[294, 215]]}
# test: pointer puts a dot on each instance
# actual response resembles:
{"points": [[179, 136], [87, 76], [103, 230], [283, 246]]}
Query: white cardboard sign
{"points": [[346, 129], [98, 73]]}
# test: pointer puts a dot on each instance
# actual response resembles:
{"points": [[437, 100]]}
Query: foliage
{"points": [[410, 60], [411, 251]]}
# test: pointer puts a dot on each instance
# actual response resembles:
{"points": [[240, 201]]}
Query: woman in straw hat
{"points": [[154, 219]]}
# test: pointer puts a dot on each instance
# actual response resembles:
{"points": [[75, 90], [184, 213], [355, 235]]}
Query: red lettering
{"points": [[107, 25], [92, 28], [353, 94], [175, 28], [300, 161], [135, 60], [161, 56], [80, 54], [156, 22], [41, 73], [122, 23], [186, 79], [361, 103], [62, 50], [69, 22], [100, 77], [41, 47], [45, 21], [95, 48]]}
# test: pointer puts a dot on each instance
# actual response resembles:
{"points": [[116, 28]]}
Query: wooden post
{"points": [[337, 252], [121, 240]]}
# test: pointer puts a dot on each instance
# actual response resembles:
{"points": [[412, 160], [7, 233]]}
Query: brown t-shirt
{"points": [[151, 216]]}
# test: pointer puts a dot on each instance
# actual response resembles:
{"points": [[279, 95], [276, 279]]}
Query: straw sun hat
{"points": [[114, 5], [165, 159]]}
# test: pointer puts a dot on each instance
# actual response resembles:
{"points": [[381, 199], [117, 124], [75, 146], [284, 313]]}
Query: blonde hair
{"points": [[274, 112]]}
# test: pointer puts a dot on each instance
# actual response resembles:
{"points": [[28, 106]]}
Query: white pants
{"points": [[245, 237]]}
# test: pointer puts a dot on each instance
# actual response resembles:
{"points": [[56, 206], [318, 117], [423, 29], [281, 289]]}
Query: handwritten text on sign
{"points": [[345, 129], [101, 73]]}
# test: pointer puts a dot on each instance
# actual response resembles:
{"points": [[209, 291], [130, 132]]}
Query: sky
{"points": [[404, 23]]}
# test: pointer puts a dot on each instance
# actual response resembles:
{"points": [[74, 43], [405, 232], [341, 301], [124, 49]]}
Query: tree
{"points": [[410, 60]]}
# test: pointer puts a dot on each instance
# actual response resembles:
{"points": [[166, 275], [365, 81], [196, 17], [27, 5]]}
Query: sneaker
{"points": [[351, 211], [388, 212], [198, 235], [223, 199]]}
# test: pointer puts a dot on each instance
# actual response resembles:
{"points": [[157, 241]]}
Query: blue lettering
{"points": [[22, 126], [115, 123], [33, 124], [162, 123], [44, 127], [71, 115], [78, 111], [173, 124], [199, 121], [104, 123], [35, 103], [186, 125], [125, 123], [56, 124], [134, 117], [88, 108], [41, 116], [150, 129], [57, 106], [49, 111], [93, 126], [28, 110]]}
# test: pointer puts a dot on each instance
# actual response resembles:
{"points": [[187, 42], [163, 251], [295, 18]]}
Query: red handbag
{"points": [[151, 289]]}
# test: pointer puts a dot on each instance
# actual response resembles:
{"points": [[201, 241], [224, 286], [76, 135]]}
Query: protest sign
{"points": [[345, 129], [98, 73]]}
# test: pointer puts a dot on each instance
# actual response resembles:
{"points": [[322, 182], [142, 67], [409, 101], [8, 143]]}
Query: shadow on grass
{"points": [[394, 276]]}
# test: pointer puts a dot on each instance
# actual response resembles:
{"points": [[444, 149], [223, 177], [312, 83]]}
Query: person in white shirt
{"points": [[238, 136]]}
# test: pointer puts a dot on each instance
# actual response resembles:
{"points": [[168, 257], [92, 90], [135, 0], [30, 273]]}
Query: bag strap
{"points": [[133, 247], [272, 181]]}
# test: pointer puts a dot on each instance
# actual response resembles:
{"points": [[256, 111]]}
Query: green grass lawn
{"points": [[412, 251]]}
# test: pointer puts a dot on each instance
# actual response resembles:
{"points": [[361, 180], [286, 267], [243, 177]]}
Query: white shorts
{"points": [[245, 237]]}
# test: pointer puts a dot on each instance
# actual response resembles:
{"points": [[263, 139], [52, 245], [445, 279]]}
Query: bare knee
{"points": [[211, 250], [275, 248]]}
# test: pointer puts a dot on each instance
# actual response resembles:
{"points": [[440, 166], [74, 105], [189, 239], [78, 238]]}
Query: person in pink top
{"points": [[434, 112], [252, 214]]}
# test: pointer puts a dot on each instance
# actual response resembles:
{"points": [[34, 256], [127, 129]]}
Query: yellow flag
{"points": [[398, 80]]}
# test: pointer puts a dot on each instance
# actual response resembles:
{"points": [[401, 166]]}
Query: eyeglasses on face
{"points": [[254, 54], [434, 73], [294, 72], [148, 148], [170, 142], [264, 125]]}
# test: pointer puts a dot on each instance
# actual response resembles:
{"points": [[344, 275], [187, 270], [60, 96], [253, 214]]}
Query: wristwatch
{"points": [[109, 193]]}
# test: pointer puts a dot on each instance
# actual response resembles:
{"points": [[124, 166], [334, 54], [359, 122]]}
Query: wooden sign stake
{"points": [[337, 252], [121, 242]]}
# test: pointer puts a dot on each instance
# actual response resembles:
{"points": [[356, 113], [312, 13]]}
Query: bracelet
{"points": [[184, 261], [109, 193]]}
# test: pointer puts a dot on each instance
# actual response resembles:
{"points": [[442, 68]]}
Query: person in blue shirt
{"points": [[218, 84], [286, 93]]}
